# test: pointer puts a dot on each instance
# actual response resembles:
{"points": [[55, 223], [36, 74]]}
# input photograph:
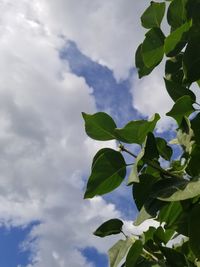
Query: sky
{"points": [[57, 59]]}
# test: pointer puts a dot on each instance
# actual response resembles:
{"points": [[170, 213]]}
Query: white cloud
{"points": [[44, 151], [106, 31], [150, 97]]}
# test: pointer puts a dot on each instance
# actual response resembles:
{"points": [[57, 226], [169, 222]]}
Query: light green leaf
{"points": [[153, 47], [99, 126], [176, 40], [182, 107], [136, 131], [110, 227], [108, 172], [181, 191], [153, 15], [134, 253], [119, 251], [134, 175]]}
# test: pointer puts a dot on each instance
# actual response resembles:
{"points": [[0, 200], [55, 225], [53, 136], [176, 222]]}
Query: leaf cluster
{"points": [[169, 195]]}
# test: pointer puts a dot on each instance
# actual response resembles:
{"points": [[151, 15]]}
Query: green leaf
{"points": [[119, 250], [141, 190], [193, 10], [108, 172], [173, 257], [176, 40], [185, 135], [99, 126], [182, 107], [176, 14], [170, 213], [134, 175], [191, 59], [164, 150], [176, 190], [149, 210], [139, 63], [195, 123], [193, 168], [153, 15], [136, 131], [162, 236], [177, 90], [153, 47], [134, 253], [150, 150], [194, 233], [110, 227]]}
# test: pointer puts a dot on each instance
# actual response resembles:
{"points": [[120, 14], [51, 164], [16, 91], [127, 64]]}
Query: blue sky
{"points": [[68, 57]]}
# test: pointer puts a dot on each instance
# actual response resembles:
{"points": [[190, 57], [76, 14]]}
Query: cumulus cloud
{"points": [[150, 97], [44, 151], [106, 31]]}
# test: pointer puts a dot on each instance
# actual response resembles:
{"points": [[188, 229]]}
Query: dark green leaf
{"points": [[193, 10], [177, 190], [150, 150], [153, 47], [108, 171], [194, 233], [176, 40], [118, 251], [193, 168], [164, 150], [111, 227], [195, 125], [182, 107], [139, 63], [173, 68], [176, 14], [153, 15], [99, 126], [149, 210], [134, 254], [174, 258], [141, 190], [191, 59], [177, 90], [136, 131], [162, 236]]}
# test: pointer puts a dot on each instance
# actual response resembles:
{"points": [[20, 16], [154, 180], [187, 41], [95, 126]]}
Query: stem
{"points": [[124, 234], [127, 151], [151, 163], [151, 255], [197, 103]]}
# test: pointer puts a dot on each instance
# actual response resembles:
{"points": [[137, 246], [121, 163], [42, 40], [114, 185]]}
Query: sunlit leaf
{"points": [[99, 126], [153, 15], [153, 47], [119, 251], [136, 131]]}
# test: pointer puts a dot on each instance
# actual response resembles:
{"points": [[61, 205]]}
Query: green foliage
{"points": [[111, 227], [169, 195]]}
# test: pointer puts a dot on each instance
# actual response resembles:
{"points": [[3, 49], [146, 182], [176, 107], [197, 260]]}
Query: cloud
{"points": [[106, 31], [150, 97], [45, 153]]}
